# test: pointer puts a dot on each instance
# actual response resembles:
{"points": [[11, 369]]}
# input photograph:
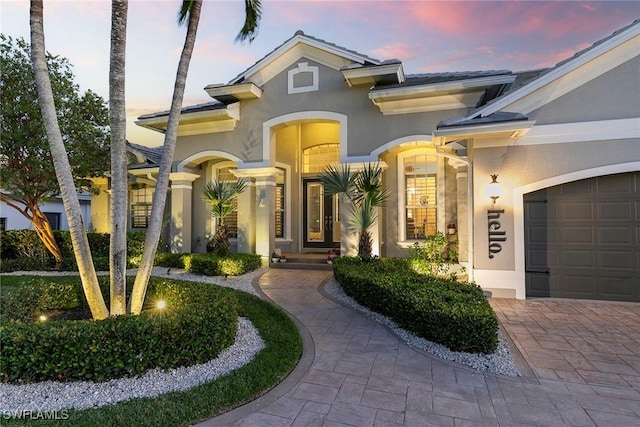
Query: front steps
{"points": [[304, 261]]}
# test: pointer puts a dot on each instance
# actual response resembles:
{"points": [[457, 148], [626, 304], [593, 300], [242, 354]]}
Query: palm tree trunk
{"points": [[40, 223], [44, 231], [162, 184], [79, 239], [118, 124]]}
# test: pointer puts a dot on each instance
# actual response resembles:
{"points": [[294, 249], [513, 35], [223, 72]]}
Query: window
{"points": [[280, 206], [230, 221], [315, 159], [3, 224], [141, 198], [420, 186], [54, 219]]}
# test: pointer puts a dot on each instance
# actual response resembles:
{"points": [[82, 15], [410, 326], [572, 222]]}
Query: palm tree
{"points": [[365, 191], [190, 9], [221, 195], [64, 175], [118, 122]]}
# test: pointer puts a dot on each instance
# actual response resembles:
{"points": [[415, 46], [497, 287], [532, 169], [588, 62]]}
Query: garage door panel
{"points": [[540, 285], [619, 260], [615, 184], [577, 285], [615, 211], [577, 235], [616, 235], [577, 259], [618, 288], [578, 188], [538, 211], [572, 211], [541, 259], [542, 235], [588, 244]]}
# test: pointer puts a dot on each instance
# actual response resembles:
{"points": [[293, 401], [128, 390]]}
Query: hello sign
{"points": [[496, 237]]}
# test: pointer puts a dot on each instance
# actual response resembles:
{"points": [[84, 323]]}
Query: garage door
{"points": [[582, 239]]}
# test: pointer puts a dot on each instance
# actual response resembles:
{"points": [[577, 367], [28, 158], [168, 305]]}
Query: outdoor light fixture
{"points": [[161, 304], [494, 189], [42, 318]]}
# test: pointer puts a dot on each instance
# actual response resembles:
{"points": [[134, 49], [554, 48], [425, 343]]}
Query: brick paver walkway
{"points": [[360, 374]]}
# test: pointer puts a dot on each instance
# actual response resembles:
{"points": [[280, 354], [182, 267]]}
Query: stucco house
{"points": [[563, 144]]}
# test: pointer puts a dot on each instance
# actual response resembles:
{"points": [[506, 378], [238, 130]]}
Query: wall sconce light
{"points": [[494, 189]]}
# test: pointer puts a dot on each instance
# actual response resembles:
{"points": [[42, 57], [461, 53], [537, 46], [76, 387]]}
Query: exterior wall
{"points": [[523, 169], [613, 95]]}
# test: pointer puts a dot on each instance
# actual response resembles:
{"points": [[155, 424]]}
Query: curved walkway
{"points": [[354, 372]]}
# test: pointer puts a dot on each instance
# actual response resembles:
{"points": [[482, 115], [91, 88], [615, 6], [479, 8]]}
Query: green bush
{"points": [[168, 259], [197, 324], [441, 310], [213, 265], [22, 250], [37, 296]]}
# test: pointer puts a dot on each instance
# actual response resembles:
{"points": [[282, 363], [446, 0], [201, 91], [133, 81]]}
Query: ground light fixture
{"points": [[161, 304], [494, 189]]}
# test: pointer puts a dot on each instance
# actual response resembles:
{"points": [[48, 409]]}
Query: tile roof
{"points": [[153, 155], [368, 60], [206, 106], [434, 78]]}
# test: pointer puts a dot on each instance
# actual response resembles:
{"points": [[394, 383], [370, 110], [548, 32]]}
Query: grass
{"points": [[266, 370]]}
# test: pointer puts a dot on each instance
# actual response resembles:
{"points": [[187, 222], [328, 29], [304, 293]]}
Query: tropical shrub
{"points": [[443, 310], [199, 321], [210, 264]]}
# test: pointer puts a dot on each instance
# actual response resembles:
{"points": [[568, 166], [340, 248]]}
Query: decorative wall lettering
{"points": [[496, 237]]}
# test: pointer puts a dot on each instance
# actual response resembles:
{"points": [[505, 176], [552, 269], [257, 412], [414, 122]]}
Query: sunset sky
{"points": [[427, 36]]}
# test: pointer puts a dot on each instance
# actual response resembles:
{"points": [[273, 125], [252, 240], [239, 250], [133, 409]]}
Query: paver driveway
{"points": [[357, 373]]}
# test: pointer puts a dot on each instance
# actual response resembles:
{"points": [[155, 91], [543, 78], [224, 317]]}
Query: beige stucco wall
{"points": [[613, 95]]}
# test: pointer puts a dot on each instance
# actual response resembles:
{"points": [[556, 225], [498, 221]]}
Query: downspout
{"points": [[466, 161]]}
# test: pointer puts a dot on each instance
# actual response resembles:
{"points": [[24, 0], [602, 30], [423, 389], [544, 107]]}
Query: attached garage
{"points": [[582, 239]]}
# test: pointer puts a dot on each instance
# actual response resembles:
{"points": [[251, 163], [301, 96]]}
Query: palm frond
{"points": [[253, 13], [338, 180], [185, 9], [221, 196]]}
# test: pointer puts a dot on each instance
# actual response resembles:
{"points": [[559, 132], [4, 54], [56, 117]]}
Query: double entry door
{"points": [[321, 222]]}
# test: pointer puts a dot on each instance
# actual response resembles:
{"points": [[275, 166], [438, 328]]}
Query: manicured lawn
{"points": [[267, 369]]}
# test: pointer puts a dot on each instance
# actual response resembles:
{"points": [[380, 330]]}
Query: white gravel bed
{"points": [[499, 362], [53, 396]]}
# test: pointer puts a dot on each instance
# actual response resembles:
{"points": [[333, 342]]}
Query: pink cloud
{"points": [[398, 50]]}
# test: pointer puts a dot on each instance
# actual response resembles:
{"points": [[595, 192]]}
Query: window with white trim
{"points": [[316, 158], [280, 206], [420, 189], [141, 198], [231, 221]]}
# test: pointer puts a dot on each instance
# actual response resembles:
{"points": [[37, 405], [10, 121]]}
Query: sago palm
{"points": [[221, 196]]}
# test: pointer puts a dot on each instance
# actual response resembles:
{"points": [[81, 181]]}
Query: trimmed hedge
{"points": [[198, 323], [441, 310], [211, 264], [22, 250]]}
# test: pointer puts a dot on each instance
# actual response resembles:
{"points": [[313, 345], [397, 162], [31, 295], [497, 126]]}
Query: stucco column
{"points": [[246, 220], [463, 213], [181, 204], [263, 197]]}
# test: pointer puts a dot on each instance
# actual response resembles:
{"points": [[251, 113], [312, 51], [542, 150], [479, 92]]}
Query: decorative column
{"points": [[463, 213], [261, 230], [246, 219], [181, 205]]}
